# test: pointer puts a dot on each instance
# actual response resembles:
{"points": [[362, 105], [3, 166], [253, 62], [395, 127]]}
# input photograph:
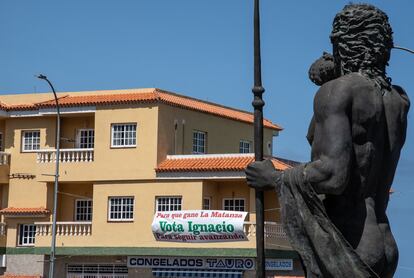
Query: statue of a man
{"points": [[334, 207]]}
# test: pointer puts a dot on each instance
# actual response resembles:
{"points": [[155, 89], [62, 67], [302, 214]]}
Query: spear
{"points": [[258, 104]]}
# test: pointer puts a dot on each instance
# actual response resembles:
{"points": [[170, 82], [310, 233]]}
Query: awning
{"points": [[166, 272]]}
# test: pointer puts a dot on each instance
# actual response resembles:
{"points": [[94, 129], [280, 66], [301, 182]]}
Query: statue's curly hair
{"points": [[362, 40]]}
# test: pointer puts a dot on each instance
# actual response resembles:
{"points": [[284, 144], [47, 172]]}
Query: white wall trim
{"points": [[68, 110], [51, 111], [24, 113]]}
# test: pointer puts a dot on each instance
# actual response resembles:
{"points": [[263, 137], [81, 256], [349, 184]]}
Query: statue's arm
{"points": [[332, 145]]}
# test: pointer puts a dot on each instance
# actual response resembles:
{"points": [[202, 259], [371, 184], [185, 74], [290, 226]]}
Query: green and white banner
{"points": [[199, 226]]}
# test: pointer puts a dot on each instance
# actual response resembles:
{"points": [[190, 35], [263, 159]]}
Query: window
{"points": [[97, 270], [27, 233], [233, 204], [269, 148], [124, 135], [199, 142], [207, 203], [31, 140], [121, 208], [86, 138], [168, 203], [83, 210], [244, 146]]}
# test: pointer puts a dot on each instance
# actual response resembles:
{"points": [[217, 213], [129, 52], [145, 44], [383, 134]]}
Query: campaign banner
{"points": [[199, 226]]}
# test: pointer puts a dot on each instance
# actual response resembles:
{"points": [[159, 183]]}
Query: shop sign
{"points": [[279, 264], [199, 226], [191, 263]]}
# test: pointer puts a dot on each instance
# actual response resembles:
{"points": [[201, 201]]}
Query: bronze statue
{"points": [[334, 207]]}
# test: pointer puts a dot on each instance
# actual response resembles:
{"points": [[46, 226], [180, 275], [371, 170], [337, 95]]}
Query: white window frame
{"points": [[209, 203], [89, 206], [234, 199], [27, 240], [169, 204], [242, 146], [79, 136], [196, 147], [124, 132], [32, 145], [123, 198]]}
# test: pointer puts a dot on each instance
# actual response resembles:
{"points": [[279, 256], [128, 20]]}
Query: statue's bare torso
{"points": [[354, 160]]}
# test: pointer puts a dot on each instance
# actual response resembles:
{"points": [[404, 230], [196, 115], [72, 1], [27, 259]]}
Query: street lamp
{"points": [[53, 243]]}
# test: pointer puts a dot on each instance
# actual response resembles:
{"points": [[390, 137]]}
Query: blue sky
{"points": [[202, 49]]}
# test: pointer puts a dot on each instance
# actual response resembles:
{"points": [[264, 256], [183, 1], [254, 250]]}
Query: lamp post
{"points": [[55, 192], [258, 104]]}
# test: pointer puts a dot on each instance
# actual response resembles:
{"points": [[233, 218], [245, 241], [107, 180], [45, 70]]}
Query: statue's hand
{"points": [[262, 175]]}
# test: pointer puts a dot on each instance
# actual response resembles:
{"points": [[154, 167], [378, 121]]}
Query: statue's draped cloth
{"points": [[321, 246]]}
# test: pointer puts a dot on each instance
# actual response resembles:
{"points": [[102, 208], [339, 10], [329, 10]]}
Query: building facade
{"points": [[126, 154]]}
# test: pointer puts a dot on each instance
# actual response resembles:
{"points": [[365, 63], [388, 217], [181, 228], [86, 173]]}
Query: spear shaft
{"points": [[258, 104]]}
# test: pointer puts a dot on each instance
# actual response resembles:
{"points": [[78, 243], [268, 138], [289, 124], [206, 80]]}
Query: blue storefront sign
{"points": [[191, 262], [279, 264]]}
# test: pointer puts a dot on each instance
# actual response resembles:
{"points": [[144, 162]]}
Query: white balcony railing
{"points": [[274, 235], [272, 230], [275, 230], [64, 228], [66, 155], [4, 158], [3, 229]]}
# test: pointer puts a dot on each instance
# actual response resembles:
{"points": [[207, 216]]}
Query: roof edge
{"points": [[157, 93]]}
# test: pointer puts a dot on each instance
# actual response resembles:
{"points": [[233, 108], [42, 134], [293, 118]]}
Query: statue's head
{"points": [[362, 41]]}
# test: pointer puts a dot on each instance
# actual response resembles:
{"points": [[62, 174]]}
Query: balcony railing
{"points": [[4, 158], [274, 235], [66, 155], [3, 229], [64, 228], [271, 230]]}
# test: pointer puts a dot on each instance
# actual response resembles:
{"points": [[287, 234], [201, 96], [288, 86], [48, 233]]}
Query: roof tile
{"points": [[20, 276], [70, 101], [212, 108], [139, 96], [17, 211], [212, 162]]}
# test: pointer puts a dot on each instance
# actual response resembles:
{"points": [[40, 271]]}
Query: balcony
{"points": [[75, 164], [274, 235], [3, 229], [65, 156], [79, 234], [4, 167], [64, 228], [4, 158], [67, 233]]}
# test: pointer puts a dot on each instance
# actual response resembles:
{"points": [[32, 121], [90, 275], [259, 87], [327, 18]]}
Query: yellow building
{"points": [[126, 154]]}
